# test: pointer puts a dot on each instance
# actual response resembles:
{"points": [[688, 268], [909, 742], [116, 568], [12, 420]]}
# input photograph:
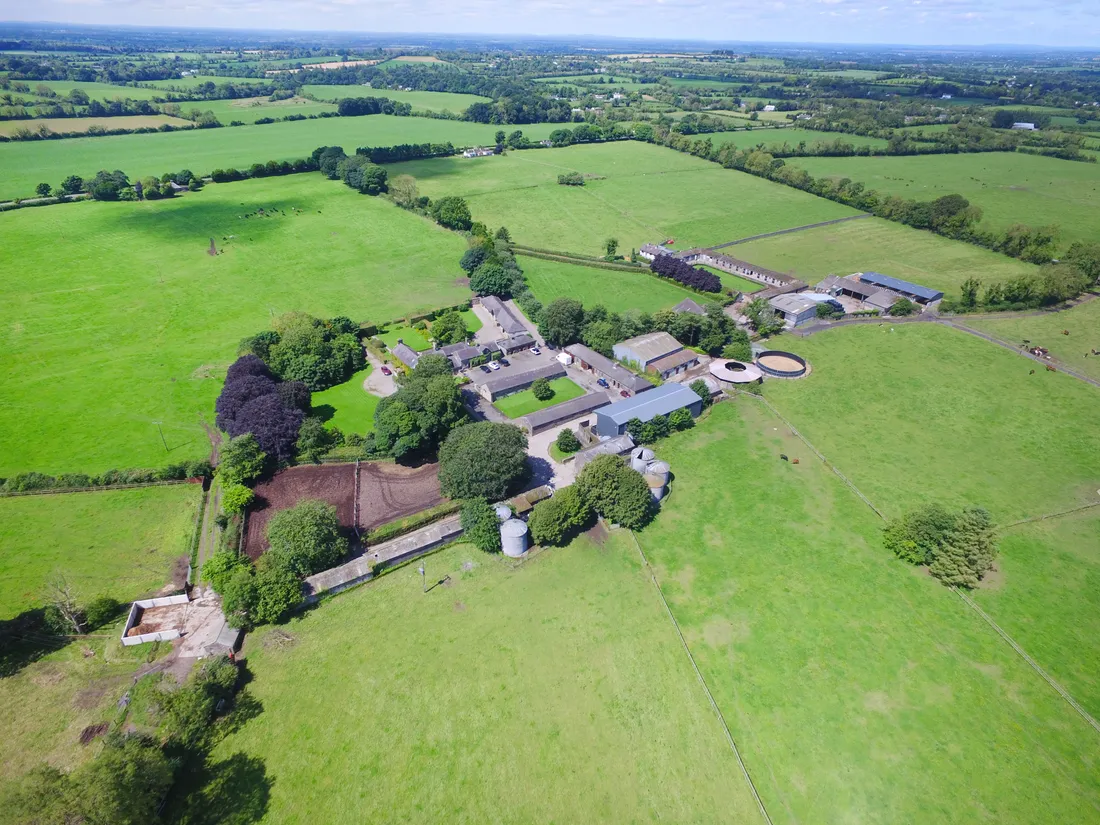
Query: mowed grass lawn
{"points": [[348, 406], [619, 291], [519, 404], [858, 690], [877, 245], [553, 692], [420, 101], [119, 543], [115, 317], [641, 194], [28, 163], [1010, 187], [921, 413], [1083, 323]]}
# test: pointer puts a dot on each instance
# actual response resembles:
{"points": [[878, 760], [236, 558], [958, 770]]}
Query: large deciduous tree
{"points": [[483, 460], [553, 520], [615, 491], [562, 321], [480, 525], [307, 537], [452, 212]]}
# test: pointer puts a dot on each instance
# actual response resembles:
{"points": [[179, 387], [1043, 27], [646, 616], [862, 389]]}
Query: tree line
{"points": [[676, 269]]}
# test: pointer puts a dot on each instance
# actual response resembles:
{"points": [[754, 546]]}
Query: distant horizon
{"points": [[917, 24]]}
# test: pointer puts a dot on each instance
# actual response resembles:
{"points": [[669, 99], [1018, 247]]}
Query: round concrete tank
{"points": [[513, 538], [656, 485], [659, 469], [640, 458], [504, 512]]}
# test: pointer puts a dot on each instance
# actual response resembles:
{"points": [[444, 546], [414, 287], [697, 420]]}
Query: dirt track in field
{"points": [[390, 491]]}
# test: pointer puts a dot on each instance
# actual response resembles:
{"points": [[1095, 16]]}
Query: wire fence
{"points": [[98, 489]]}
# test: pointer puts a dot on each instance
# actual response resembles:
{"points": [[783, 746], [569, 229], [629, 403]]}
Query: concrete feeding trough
{"points": [[513, 538]]}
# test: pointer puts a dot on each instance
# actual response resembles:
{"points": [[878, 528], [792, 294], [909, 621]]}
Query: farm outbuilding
{"points": [[405, 354], [505, 318], [916, 292], [618, 376], [795, 309], [547, 417], [512, 381], [612, 419], [656, 352]]}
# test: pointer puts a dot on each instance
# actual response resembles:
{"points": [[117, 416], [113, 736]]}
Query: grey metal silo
{"points": [[640, 458], [659, 469], [513, 538]]}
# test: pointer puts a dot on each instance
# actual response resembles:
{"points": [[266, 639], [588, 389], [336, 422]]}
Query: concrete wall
{"points": [[138, 607]]}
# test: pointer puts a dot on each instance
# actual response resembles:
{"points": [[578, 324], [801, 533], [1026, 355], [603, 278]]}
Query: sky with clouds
{"points": [[919, 22]]}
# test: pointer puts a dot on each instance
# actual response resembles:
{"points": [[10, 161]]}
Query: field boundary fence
{"points": [[792, 229], [1059, 514], [706, 688]]}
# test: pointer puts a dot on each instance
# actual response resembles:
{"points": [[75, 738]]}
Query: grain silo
{"points": [[513, 538], [657, 486], [640, 458], [504, 512], [660, 469]]}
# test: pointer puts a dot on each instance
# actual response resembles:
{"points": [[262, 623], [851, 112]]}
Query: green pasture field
{"points": [[792, 135], [1010, 187], [28, 163], [83, 124], [555, 691], [617, 290], [97, 91], [681, 82], [643, 194], [857, 689], [251, 109], [971, 426], [48, 702], [1083, 323], [197, 80], [877, 245], [1044, 595], [119, 543], [420, 101], [116, 317], [852, 74], [348, 406], [523, 403]]}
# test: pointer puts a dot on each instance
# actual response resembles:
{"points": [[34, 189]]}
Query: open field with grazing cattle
{"points": [[29, 163], [556, 691], [119, 543], [116, 317], [857, 688], [877, 245], [1045, 330], [637, 193], [420, 101], [1010, 187], [971, 427]]}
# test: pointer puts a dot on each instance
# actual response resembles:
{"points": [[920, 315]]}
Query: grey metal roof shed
{"points": [[921, 293], [611, 420]]}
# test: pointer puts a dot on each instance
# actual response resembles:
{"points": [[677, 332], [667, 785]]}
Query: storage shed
{"points": [[612, 419]]}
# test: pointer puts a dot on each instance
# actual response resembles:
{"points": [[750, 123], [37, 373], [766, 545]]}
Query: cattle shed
{"points": [[664, 400], [643, 350], [920, 294], [795, 309], [549, 417], [514, 381]]}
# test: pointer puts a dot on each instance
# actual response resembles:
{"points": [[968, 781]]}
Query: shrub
{"points": [[278, 590], [480, 525], [220, 567], [241, 461], [739, 348], [542, 390], [571, 179], [473, 258], [453, 213], [306, 538], [681, 420], [904, 307], [958, 547], [100, 611], [554, 519], [482, 460], [700, 388], [235, 498], [449, 328], [314, 439], [567, 441]]}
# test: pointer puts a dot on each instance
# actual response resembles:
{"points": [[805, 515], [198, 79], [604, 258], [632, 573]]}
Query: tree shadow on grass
{"points": [[323, 411], [25, 639], [232, 791]]}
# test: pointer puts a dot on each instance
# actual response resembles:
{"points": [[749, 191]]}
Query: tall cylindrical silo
{"points": [[639, 458], [659, 469], [513, 538], [657, 486]]}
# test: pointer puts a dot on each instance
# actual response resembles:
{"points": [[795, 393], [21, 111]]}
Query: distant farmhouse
{"points": [[1028, 127], [477, 152]]}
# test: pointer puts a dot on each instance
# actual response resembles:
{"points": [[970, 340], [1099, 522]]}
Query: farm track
{"points": [[792, 229]]}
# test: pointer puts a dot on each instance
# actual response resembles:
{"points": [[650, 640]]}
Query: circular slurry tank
{"points": [[513, 538], [781, 364], [735, 372]]}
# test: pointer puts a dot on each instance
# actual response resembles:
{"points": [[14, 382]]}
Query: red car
{"points": [[386, 370], [624, 393]]}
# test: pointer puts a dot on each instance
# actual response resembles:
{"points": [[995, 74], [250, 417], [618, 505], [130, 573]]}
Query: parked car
{"points": [[386, 370], [536, 351], [493, 365], [485, 368], [624, 393], [504, 362], [603, 383]]}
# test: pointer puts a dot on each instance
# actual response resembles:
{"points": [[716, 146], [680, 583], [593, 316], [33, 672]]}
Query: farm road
{"points": [[208, 539]]}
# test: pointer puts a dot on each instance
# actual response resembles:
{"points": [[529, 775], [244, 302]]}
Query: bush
{"points": [[700, 388], [553, 520], [480, 525], [958, 547], [278, 590], [241, 460], [453, 213], [473, 258], [220, 567], [314, 439], [235, 498], [571, 179], [567, 441], [100, 611], [542, 390], [615, 491], [681, 420], [739, 348], [306, 538], [904, 307], [483, 460]]}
